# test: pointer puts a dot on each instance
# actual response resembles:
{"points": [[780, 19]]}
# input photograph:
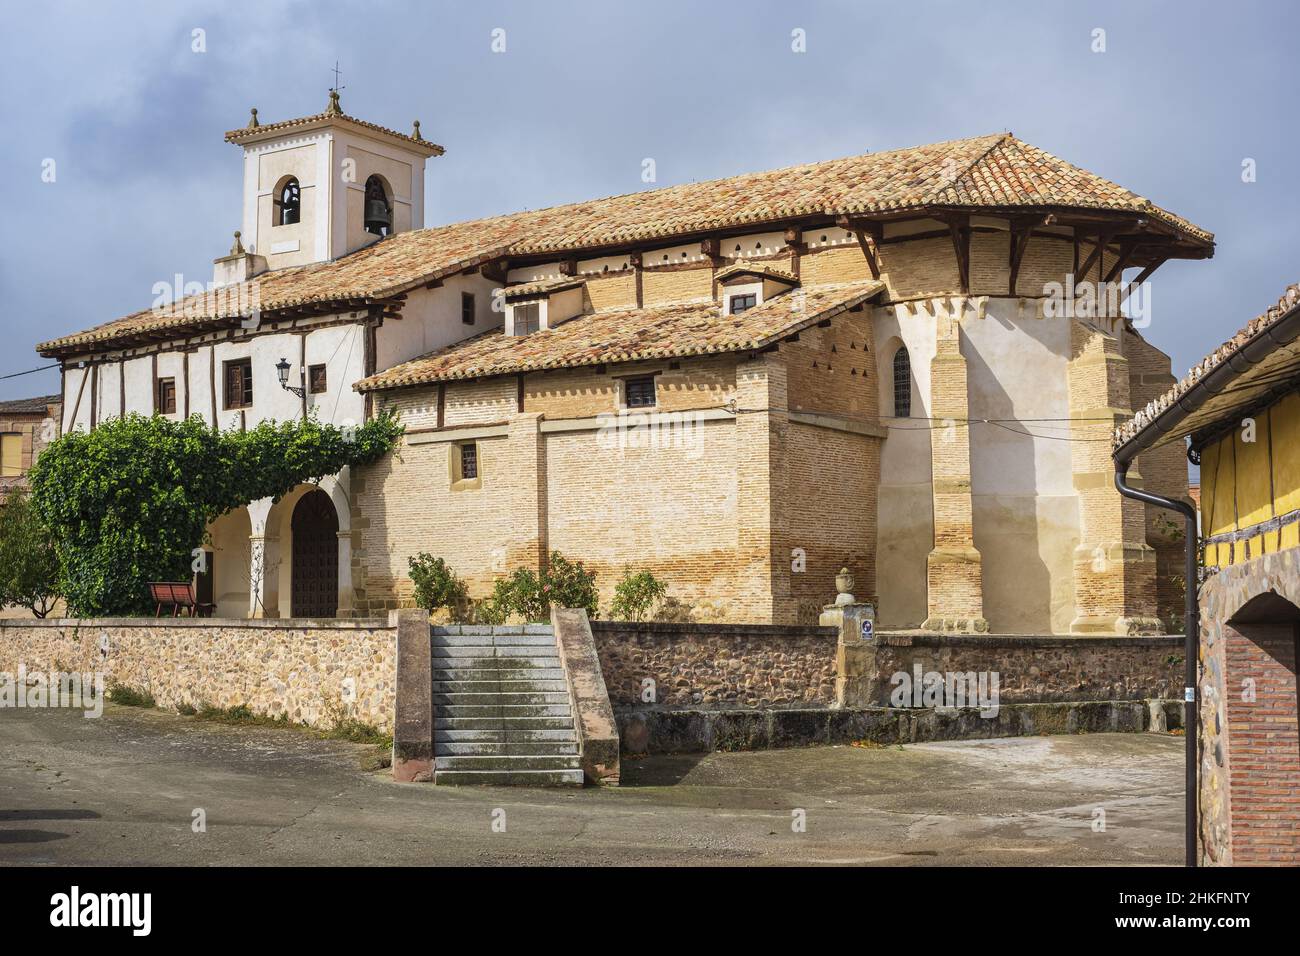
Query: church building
{"points": [[881, 362]]}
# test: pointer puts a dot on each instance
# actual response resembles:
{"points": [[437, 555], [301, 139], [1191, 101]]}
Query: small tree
{"points": [[564, 583], [436, 585], [29, 564], [635, 595], [567, 583]]}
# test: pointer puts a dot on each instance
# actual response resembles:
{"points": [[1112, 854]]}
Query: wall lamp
{"points": [[282, 370]]}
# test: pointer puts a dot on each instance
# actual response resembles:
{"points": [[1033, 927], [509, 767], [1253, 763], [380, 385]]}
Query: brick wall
{"points": [[1264, 745]]}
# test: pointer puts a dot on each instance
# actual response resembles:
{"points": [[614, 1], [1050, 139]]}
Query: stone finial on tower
{"points": [[238, 248], [415, 133], [252, 120], [334, 109]]}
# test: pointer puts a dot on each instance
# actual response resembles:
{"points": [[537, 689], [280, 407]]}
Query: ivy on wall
{"points": [[128, 502]]}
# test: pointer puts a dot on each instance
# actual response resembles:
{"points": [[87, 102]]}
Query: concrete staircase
{"points": [[502, 710]]}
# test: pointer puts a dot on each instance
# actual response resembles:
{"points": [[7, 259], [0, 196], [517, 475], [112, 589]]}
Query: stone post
{"points": [[954, 574], [413, 720], [263, 562]]}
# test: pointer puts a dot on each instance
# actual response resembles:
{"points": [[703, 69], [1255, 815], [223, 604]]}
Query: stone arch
{"points": [[1250, 733], [280, 527]]}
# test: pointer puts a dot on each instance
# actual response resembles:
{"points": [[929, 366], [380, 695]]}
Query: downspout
{"points": [[1191, 645]]}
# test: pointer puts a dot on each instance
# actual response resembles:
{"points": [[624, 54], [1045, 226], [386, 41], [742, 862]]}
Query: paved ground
{"points": [[122, 789]]}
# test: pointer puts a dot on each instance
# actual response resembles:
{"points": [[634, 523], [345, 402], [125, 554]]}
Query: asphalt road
{"points": [[124, 789]]}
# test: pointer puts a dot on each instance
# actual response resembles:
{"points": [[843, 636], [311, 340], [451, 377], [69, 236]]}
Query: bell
{"points": [[378, 218]]}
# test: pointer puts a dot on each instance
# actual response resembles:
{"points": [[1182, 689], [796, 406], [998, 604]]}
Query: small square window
{"points": [[316, 379], [468, 461], [239, 383], [166, 396], [640, 392], [527, 318], [467, 308], [739, 303]]}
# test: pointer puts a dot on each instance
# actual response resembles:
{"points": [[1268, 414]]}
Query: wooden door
{"points": [[315, 557]]}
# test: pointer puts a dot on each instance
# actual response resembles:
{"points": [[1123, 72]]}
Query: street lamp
{"points": [[282, 370]]}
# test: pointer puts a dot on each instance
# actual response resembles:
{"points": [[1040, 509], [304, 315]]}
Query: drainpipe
{"points": [[1191, 645]]}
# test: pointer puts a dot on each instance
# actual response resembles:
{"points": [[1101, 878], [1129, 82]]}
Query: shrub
{"points": [[130, 696], [29, 563], [569, 584], [519, 592], [436, 585], [635, 595], [564, 583]]}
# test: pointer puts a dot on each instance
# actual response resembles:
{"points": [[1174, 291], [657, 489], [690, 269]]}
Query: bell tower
{"points": [[322, 186]]}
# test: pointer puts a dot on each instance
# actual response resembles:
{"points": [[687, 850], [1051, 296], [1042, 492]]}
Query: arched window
{"points": [[288, 204], [379, 211], [902, 383]]}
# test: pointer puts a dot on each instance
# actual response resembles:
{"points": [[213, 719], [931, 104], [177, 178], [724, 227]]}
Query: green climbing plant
{"points": [[128, 502]]}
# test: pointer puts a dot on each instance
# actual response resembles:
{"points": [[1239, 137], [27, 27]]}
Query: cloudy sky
{"points": [[146, 188]]}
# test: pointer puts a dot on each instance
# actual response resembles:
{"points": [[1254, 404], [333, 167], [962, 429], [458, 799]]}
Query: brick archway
{"points": [[1250, 743]]}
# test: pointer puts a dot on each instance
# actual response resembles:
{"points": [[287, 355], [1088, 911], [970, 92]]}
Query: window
{"points": [[640, 392], [902, 383], [467, 308], [468, 461], [316, 379], [11, 455], [379, 211], [239, 383], [739, 303], [166, 404], [288, 205], [527, 318]]}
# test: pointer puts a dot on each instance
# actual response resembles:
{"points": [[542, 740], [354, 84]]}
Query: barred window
{"points": [[902, 383], [640, 392], [467, 308], [468, 461]]}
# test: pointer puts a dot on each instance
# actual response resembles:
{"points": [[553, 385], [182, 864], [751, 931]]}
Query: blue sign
{"points": [[868, 628]]}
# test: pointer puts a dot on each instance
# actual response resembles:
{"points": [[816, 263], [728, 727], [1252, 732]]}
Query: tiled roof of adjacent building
{"points": [[627, 335], [762, 270], [1252, 382], [996, 173], [29, 406]]}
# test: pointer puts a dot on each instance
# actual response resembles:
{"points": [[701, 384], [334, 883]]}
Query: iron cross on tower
{"points": [[337, 73]]}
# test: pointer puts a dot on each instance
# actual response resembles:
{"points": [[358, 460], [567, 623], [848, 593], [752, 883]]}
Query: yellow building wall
{"points": [[1245, 483]]}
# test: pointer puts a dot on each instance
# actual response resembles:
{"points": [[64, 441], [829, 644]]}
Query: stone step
{"points": [[456, 656], [488, 698], [500, 686], [494, 735], [504, 672], [508, 778], [541, 735], [507, 724], [488, 748], [523, 640], [505, 710], [511, 762]]}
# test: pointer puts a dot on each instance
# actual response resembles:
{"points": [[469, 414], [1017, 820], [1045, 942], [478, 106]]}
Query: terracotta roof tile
{"points": [[542, 286], [627, 335], [760, 269], [996, 171]]}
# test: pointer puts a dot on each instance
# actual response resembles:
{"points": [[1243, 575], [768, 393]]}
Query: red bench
{"points": [[179, 595]]}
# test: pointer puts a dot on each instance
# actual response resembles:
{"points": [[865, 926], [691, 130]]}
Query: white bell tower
{"points": [[322, 186]]}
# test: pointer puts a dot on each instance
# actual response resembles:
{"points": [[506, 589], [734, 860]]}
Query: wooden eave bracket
{"points": [[868, 233]]}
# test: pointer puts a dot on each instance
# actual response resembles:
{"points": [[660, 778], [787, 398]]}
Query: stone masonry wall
{"points": [[293, 667], [1045, 669], [717, 665]]}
